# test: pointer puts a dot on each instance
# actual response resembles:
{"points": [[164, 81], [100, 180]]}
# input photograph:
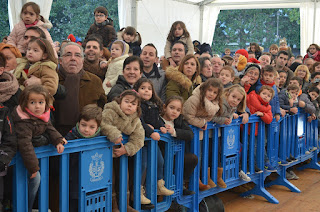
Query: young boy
{"points": [[226, 76], [102, 26], [283, 78], [313, 93], [227, 52]]}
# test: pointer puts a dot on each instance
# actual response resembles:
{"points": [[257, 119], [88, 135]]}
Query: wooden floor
{"points": [[307, 200]]}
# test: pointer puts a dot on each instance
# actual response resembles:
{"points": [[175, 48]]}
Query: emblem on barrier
{"points": [[96, 168], [231, 139]]}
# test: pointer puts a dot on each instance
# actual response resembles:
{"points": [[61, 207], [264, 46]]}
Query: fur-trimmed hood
{"points": [[172, 73]]}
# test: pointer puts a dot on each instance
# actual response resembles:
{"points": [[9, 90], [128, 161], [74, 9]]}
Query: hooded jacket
{"points": [[135, 45]]}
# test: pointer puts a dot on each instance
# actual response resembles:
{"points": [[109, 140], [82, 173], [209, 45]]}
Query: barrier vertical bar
{"points": [[123, 183], [137, 181], [44, 185], [64, 183], [152, 173], [20, 186]]}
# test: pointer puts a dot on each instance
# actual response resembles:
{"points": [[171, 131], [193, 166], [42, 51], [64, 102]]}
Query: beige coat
{"points": [[115, 122]]}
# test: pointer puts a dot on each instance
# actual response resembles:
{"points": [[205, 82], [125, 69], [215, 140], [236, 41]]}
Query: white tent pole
{"points": [[134, 13], [314, 20], [201, 24]]}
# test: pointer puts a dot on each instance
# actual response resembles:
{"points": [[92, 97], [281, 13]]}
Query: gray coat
{"points": [[158, 78]]}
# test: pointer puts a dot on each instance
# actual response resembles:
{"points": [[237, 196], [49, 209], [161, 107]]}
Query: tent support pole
{"points": [[134, 13], [201, 23]]}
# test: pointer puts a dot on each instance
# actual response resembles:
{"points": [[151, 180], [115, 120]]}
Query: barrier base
{"points": [[313, 163], [282, 180]]}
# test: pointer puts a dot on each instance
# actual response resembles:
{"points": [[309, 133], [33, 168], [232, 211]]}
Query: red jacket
{"points": [[255, 104], [316, 58]]}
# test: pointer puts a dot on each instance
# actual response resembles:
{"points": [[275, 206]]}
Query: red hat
{"points": [[243, 52], [253, 60]]}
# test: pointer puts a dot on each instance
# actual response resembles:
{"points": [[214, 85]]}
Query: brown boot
{"points": [[210, 181], [203, 187], [220, 181], [129, 208], [114, 203]]}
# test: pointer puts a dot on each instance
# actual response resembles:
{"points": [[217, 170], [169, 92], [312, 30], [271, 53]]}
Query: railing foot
{"points": [[282, 180], [258, 190], [312, 165]]}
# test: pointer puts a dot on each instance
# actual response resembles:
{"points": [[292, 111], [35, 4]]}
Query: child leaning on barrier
{"points": [[201, 107], [234, 102], [122, 116], [31, 119]]}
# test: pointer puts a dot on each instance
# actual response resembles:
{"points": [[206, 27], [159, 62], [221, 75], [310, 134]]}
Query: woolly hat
{"points": [[253, 60], [205, 48], [242, 62], [253, 65], [13, 49], [243, 52]]}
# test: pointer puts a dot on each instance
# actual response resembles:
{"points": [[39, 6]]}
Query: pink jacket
{"points": [[16, 36]]}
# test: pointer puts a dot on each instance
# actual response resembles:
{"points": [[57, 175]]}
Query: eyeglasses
{"points": [[77, 55], [253, 74], [99, 16]]}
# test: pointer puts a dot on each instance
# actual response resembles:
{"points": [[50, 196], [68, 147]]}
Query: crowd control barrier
{"points": [[230, 146]]}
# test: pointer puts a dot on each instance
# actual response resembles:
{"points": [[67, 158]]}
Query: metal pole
{"points": [[134, 13], [201, 23]]}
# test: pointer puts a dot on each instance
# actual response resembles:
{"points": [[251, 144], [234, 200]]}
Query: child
{"points": [[87, 127], [31, 119], [41, 63], [313, 93], [227, 52], [30, 16], [256, 50], [102, 26], [273, 49], [179, 129], [226, 76], [234, 100], [122, 116], [132, 38], [201, 107], [177, 32], [151, 106], [119, 52], [283, 78]]}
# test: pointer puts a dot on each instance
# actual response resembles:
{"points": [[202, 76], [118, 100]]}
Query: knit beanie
{"points": [[242, 62], [253, 65], [13, 49], [253, 60], [243, 52]]}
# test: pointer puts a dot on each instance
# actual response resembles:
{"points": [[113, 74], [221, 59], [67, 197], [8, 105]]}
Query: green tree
{"points": [[4, 20]]}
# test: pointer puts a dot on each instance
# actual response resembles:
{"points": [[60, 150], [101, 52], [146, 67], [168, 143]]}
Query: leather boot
{"points": [[203, 187], [220, 181], [210, 181], [129, 208], [162, 190], [114, 203]]}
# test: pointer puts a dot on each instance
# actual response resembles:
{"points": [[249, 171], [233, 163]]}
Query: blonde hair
{"points": [[242, 105], [305, 68]]}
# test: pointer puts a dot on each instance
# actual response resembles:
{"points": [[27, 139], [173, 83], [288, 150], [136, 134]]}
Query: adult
{"points": [[264, 60], [280, 64], [11, 53], [309, 62], [93, 52], [217, 65], [82, 87], [250, 77], [149, 57], [184, 79], [302, 71], [313, 52], [205, 68], [178, 51], [132, 72]]}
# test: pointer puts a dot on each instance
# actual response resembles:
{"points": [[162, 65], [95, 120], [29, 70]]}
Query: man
{"points": [[309, 62], [82, 87], [217, 65], [178, 50], [264, 60], [281, 61], [149, 57], [93, 52]]}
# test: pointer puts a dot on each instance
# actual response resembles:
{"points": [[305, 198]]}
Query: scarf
{"points": [[101, 24], [44, 116], [264, 83], [69, 106], [313, 55], [8, 86], [262, 101], [30, 25], [94, 68]]}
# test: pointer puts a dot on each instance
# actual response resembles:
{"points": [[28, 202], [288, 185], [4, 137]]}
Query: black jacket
{"points": [[120, 86], [150, 115]]}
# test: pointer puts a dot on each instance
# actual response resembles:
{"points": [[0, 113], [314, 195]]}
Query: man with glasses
{"points": [[102, 26]]}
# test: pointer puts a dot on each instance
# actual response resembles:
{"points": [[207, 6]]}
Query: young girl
{"points": [[30, 16], [122, 116], [179, 128], [119, 52], [177, 32], [201, 107], [132, 38], [31, 119], [151, 105], [234, 100], [39, 62]]}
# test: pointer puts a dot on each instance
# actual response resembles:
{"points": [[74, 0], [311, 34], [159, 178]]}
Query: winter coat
{"points": [[135, 45], [158, 78], [46, 71], [197, 117], [316, 58], [120, 86], [150, 115], [105, 30], [27, 127], [186, 40], [94, 68], [16, 37], [274, 102], [179, 84], [227, 112], [115, 122], [284, 102], [8, 144]]}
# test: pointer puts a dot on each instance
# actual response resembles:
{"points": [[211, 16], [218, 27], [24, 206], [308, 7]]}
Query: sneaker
{"points": [[269, 168], [307, 152], [257, 170], [313, 149], [293, 159], [143, 198], [295, 177], [282, 162], [250, 196], [244, 177], [289, 160], [289, 176]]}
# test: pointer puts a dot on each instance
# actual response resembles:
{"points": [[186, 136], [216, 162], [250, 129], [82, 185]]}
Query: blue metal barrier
{"points": [[234, 144]]}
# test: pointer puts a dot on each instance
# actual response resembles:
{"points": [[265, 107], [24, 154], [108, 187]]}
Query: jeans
{"points": [[33, 186], [160, 162]]}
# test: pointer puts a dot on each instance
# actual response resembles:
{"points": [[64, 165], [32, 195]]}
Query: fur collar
{"points": [[211, 107], [116, 108], [23, 62], [172, 73]]}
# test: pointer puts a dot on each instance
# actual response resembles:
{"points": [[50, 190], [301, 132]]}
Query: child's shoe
{"points": [[307, 152], [220, 181], [143, 198], [210, 182], [244, 177], [293, 159], [289, 160], [313, 149], [203, 187], [282, 162], [269, 168], [257, 170], [162, 190]]}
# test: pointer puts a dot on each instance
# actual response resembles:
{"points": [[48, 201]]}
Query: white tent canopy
{"points": [[153, 19]]}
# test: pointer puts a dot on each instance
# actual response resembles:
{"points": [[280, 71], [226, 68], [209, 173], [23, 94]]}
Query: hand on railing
{"points": [[302, 104], [120, 151], [204, 127], [163, 130], [118, 140], [155, 136], [245, 118], [60, 148], [170, 129]]}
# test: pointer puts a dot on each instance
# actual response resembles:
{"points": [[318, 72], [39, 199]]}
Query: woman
{"points": [[302, 71], [250, 78], [313, 52], [205, 68], [184, 79], [11, 53]]}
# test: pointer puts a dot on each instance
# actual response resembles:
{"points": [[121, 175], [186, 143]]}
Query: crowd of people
{"points": [[108, 85]]}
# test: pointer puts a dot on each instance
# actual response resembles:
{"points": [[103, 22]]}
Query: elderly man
{"points": [[178, 51], [309, 63], [217, 65], [82, 88], [264, 60]]}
